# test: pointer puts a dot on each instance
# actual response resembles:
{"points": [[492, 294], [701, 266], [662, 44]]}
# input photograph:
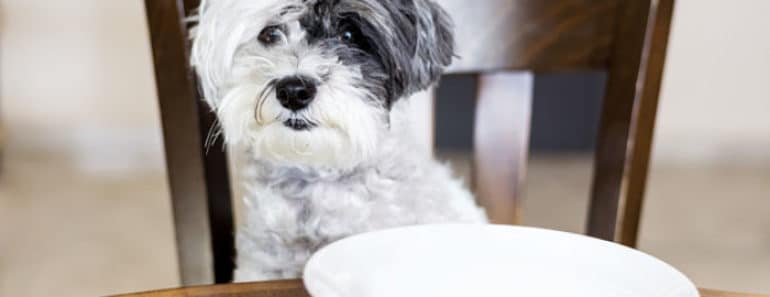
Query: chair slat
{"points": [[501, 142], [539, 35]]}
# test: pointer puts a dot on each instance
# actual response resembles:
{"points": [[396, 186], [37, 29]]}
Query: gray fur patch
{"points": [[402, 46]]}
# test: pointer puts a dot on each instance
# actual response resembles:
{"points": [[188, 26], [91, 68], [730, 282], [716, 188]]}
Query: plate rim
{"points": [[312, 286]]}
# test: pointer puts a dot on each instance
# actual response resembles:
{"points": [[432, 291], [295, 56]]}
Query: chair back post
{"points": [[628, 117], [198, 176], [645, 114]]}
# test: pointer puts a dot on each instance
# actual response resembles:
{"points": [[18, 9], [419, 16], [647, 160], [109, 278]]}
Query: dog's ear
{"points": [[208, 51], [435, 46], [424, 45], [215, 35]]}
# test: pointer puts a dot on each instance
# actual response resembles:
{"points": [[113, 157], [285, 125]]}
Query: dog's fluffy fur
{"points": [[344, 164]]}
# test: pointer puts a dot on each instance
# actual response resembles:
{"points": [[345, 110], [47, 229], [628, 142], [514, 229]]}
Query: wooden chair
{"points": [[627, 39]]}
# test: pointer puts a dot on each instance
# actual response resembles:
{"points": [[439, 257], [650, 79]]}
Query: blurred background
{"points": [[84, 207]]}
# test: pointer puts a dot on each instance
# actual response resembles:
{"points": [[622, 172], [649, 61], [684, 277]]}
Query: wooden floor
{"points": [[78, 234]]}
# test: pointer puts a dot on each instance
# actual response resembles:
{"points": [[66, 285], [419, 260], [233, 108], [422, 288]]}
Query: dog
{"points": [[313, 91]]}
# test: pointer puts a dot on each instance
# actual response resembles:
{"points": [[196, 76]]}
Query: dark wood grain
{"points": [[621, 95], [537, 35], [714, 293], [294, 288], [501, 143], [289, 288], [198, 179], [190, 6], [645, 115]]}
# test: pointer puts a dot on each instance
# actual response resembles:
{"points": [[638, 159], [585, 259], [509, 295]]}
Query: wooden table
{"points": [[296, 289]]}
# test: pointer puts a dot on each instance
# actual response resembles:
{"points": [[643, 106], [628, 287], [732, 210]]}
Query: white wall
{"points": [[77, 79], [715, 104]]}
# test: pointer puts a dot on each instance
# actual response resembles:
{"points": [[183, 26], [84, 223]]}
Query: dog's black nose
{"points": [[296, 92]]}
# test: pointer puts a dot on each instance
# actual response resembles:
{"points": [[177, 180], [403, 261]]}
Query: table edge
{"points": [[297, 286]]}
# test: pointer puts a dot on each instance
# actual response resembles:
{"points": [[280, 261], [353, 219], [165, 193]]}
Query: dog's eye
{"points": [[348, 36], [271, 35], [353, 38], [348, 33]]}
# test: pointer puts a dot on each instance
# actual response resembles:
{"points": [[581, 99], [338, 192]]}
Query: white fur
{"points": [[356, 171], [234, 73]]}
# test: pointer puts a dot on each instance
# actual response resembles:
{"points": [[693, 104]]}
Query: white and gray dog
{"points": [[310, 89]]}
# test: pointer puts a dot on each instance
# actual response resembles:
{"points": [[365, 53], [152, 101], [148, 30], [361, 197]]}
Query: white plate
{"points": [[487, 261]]}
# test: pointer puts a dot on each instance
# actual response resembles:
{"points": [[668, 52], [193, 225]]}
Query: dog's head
{"points": [[311, 82]]}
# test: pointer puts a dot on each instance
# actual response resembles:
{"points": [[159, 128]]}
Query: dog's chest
{"points": [[321, 206], [307, 209]]}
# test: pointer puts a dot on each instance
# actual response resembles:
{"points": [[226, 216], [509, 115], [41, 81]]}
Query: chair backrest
{"points": [[628, 39]]}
